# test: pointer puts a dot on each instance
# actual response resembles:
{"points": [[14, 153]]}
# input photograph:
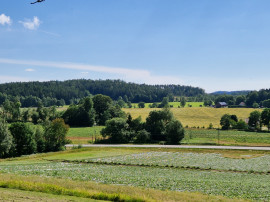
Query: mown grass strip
{"points": [[58, 190]]}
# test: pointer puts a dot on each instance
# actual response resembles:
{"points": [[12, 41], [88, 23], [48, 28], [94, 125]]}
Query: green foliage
{"points": [[225, 122], [55, 135], [40, 139], [101, 104], [6, 142], [142, 136], [117, 130], [265, 118], [174, 132], [141, 104], [23, 138], [80, 115], [156, 122], [241, 125], [61, 92], [183, 102], [254, 121], [164, 103], [266, 103]]}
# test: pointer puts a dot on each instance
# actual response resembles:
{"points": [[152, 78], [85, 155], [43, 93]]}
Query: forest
{"points": [[70, 91]]}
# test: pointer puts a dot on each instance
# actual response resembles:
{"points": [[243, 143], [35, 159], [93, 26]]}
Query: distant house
{"points": [[242, 104], [221, 105]]}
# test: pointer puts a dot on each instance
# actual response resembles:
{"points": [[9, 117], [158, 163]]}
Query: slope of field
{"points": [[121, 173], [196, 116], [14, 195]]}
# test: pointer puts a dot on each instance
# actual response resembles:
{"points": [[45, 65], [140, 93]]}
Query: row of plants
{"points": [[189, 160], [230, 184]]}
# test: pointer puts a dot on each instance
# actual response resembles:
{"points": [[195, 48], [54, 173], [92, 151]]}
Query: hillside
{"points": [[76, 89]]}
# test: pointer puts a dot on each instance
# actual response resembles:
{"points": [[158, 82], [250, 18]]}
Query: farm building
{"points": [[221, 105], [242, 104]]}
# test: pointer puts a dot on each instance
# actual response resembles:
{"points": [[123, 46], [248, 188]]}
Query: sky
{"points": [[211, 44]]}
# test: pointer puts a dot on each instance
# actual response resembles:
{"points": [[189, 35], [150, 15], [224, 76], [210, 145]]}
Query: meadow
{"points": [[136, 174], [225, 137], [195, 116], [84, 135]]}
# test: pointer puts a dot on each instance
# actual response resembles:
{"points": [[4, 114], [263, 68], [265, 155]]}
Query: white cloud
{"points": [[29, 70], [132, 75], [31, 24], [84, 73], [5, 20]]}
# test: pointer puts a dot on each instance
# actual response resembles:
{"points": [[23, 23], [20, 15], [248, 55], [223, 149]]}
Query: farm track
{"points": [[174, 146], [158, 166]]}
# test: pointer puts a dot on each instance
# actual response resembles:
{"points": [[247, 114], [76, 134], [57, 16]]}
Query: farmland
{"points": [[196, 116], [181, 172]]}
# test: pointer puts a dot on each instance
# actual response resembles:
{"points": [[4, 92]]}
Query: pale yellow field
{"points": [[196, 116]]}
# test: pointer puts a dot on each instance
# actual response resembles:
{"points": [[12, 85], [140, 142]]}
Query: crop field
{"points": [[226, 137], [196, 116], [170, 174]]}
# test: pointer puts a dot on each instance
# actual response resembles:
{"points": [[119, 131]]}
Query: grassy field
{"points": [[194, 117], [124, 173], [14, 195], [84, 135], [226, 137]]}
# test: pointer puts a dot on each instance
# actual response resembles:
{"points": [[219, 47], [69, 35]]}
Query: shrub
{"points": [[142, 136]]}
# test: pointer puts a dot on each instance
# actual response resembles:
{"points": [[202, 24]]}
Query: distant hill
{"points": [[242, 92], [76, 89]]}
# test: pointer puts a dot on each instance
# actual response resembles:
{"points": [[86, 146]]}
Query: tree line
{"points": [[256, 121], [70, 92]]}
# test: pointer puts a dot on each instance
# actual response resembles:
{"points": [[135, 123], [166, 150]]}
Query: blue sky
{"points": [[213, 44]]}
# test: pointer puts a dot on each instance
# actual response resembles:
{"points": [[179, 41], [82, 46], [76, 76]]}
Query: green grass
{"points": [[196, 116], [226, 137], [84, 135], [23, 196]]}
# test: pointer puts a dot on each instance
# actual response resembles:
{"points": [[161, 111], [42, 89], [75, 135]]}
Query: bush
{"points": [[141, 104], [210, 126], [142, 137], [241, 125]]}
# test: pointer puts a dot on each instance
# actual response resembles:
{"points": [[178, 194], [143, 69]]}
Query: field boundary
{"points": [[172, 146]]}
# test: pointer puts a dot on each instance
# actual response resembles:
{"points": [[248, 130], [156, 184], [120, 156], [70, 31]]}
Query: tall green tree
{"points": [[174, 132], [156, 123], [254, 121], [265, 118], [183, 102], [5, 139], [55, 135], [23, 138]]}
